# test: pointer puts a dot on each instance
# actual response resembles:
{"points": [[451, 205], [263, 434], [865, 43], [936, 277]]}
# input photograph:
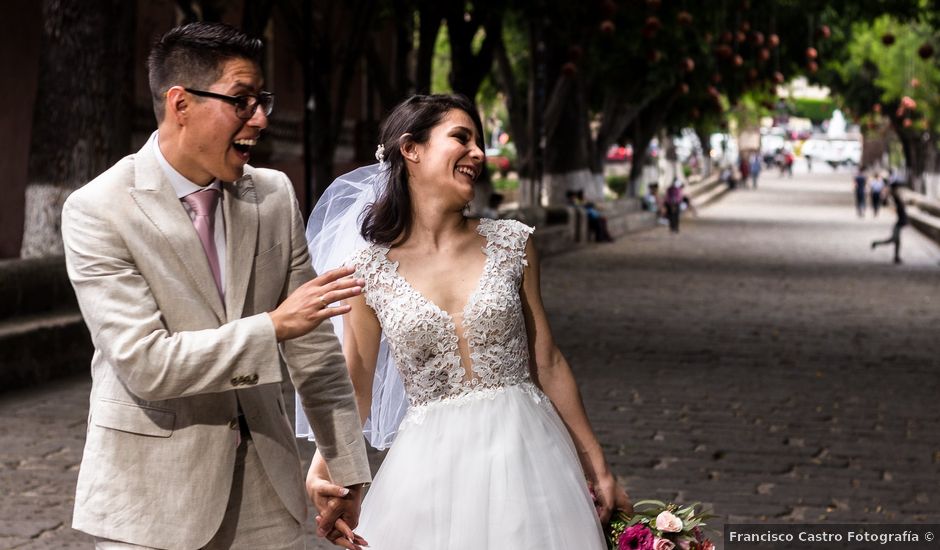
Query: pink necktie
{"points": [[203, 204]]}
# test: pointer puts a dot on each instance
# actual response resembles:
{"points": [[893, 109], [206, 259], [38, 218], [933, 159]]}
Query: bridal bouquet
{"points": [[656, 525]]}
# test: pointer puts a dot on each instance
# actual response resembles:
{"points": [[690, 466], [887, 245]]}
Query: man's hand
{"points": [[337, 511], [308, 306]]}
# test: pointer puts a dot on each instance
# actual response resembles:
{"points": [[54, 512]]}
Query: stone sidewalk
{"points": [[764, 361]]}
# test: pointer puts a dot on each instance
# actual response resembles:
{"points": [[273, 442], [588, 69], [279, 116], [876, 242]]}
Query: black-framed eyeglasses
{"points": [[245, 105]]}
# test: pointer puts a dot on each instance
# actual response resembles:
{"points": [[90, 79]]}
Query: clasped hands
{"points": [[337, 510]]}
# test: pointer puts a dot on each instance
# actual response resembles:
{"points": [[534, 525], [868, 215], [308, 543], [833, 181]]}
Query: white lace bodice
{"points": [[424, 338]]}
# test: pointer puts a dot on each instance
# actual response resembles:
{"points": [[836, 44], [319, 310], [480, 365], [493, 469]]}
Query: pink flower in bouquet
{"points": [[707, 545], [637, 537], [667, 522], [685, 544], [663, 544]]}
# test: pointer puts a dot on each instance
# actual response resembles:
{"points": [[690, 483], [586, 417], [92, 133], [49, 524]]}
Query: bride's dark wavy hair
{"points": [[390, 216]]}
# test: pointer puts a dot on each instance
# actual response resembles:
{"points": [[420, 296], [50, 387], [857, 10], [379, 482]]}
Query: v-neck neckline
{"points": [[470, 298]]}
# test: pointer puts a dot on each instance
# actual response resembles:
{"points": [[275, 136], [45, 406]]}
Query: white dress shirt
{"points": [[183, 187]]}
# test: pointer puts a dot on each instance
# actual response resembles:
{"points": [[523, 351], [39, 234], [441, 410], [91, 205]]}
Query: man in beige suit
{"points": [[193, 276]]}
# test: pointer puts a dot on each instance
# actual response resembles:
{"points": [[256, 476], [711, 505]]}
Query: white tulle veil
{"points": [[333, 237]]}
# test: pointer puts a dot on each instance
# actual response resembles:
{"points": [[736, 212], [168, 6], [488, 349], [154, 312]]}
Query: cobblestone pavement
{"points": [[764, 361]]}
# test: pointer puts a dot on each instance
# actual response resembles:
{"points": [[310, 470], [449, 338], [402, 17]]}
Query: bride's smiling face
{"points": [[449, 163]]}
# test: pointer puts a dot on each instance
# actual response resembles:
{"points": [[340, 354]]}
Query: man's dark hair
{"points": [[192, 55]]}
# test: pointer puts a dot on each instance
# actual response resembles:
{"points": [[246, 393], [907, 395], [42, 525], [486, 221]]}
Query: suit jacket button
{"points": [[235, 381], [254, 379], [233, 424]]}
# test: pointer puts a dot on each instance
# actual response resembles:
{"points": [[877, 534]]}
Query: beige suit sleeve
{"points": [[126, 323], [318, 370]]}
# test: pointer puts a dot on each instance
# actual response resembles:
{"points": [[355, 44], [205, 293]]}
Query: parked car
{"points": [[618, 153]]}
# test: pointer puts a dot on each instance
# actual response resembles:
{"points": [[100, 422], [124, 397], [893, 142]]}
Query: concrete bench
{"points": [[923, 213], [42, 334]]}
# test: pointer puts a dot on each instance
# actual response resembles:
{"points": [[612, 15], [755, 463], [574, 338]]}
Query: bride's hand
{"points": [[337, 507], [610, 496]]}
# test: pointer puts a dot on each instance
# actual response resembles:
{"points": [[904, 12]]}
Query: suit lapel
{"points": [[241, 234], [155, 197]]}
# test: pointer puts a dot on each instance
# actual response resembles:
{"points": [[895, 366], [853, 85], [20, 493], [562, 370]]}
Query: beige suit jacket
{"points": [[171, 362]]}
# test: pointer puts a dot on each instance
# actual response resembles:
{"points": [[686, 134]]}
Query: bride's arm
{"points": [[554, 376], [361, 334]]}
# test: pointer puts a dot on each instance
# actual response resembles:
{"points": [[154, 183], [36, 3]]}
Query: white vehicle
{"points": [[769, 144]]}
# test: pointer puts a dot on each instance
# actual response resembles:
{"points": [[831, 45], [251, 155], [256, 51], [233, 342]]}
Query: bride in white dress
{"points": [[495, 450]]}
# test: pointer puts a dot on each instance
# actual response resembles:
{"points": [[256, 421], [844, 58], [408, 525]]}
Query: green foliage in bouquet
{"points": [[656, 525]]}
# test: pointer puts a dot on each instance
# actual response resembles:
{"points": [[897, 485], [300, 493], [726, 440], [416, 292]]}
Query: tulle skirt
{"points": [[495, 469]]}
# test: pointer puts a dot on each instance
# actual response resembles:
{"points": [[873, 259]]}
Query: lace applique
{"points": [[416, 414], [423, 337]]}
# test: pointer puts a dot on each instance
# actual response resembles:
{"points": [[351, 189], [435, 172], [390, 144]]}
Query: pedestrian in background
{"points": [[861, 182], [745, 168], [755, 169], [899, 224], [876, 187], [675, 198]]}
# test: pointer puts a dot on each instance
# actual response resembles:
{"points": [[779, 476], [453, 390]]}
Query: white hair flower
{"points": [[380, 153]]}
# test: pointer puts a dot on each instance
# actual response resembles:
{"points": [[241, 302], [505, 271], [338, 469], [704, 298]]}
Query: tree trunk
{"points": [[703, 139], [567, 139], [82, 118], [429, 25], [255, 17], [468, 69], [645, 127], [515, 105], [340, 31], [616, 116]]}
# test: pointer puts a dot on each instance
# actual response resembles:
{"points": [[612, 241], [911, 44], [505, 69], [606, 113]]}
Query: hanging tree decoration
{"points": [[925, 51], [823, 32], [773, 40], [684, 18], [651, 27], [887, 39]]}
